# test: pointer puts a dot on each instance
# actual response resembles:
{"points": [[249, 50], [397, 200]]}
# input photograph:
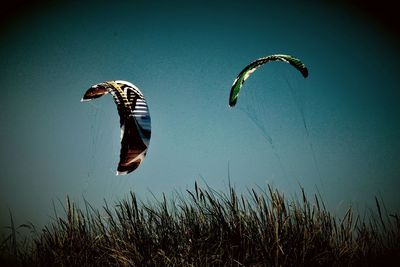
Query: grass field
{"points": [[204, 227]]}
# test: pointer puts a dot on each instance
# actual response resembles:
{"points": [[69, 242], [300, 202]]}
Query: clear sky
{"points": [[184, 57]]}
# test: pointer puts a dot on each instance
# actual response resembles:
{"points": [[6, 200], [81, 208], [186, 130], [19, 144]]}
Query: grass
{"points": [[204, 227]]}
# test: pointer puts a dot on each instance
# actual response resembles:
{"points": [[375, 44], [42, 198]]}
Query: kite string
{"points": [[300, 106], [93, 117], [251, 112], [268, 138]]}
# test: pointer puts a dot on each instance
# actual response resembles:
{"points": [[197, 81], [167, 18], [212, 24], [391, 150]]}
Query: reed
{"points": [[204, 227]]}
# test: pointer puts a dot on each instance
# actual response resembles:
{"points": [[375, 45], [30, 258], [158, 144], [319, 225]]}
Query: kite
{"points": [[249, 69], [135, 121]]}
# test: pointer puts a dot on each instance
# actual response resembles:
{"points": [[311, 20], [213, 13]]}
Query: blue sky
{"points": [[184, 58]]}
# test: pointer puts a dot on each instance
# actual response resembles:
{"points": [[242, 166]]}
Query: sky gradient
{"points": [[184, 57]]}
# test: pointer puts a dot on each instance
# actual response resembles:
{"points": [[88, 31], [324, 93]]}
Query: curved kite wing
{"points": [[135, 121], [249, 69]]}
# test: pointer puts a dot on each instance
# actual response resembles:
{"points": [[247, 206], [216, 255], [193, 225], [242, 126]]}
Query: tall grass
{"points": [[204, 227]]}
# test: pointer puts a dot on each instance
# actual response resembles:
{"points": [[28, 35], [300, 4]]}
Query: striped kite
{"points": [[134, 121]]}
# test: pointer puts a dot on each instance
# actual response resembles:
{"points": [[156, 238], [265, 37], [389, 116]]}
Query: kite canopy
{"points": [[249, 69], [135, 121]]}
